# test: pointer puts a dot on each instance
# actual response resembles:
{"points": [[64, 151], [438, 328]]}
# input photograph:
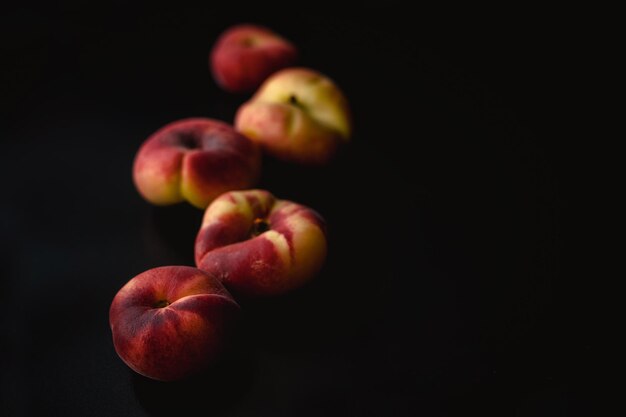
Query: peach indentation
{"points": [[259, 226]]}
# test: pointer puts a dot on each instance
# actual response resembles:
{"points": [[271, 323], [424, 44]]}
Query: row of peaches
{"points": [[174, 321]]}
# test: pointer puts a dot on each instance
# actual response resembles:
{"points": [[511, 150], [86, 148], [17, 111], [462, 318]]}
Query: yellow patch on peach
{"points": [[157, 186], [197, 196], [309, 248], [280, 243], [217, 209]]}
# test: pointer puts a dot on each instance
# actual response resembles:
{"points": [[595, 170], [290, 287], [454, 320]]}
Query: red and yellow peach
{"points": [[297, 115], [171, 322], [258, 245], [245, 55], [195, 160]]}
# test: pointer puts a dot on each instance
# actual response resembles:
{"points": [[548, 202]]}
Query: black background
{"points": [[440, 295]]}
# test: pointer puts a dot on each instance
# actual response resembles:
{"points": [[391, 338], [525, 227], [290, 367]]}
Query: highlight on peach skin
{"points": [[171, 322], [245, 55], [195, 160], [258, 245], [297, 115]]}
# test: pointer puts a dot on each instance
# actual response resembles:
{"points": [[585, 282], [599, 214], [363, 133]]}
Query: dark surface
{"points": [[439, 293]]}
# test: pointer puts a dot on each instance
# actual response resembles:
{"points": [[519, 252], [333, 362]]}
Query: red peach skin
{"points": [[171, 322], [245, 55], [258, 245], [195, 160]]}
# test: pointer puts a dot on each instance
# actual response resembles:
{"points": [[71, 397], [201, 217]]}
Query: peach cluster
{"points": [[171, 322]]}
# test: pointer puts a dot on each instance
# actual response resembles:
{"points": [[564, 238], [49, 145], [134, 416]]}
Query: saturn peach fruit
{"points": [[258, 245]]}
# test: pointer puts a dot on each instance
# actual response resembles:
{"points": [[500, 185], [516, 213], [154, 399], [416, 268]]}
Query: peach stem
{"points": [[260, 226]]}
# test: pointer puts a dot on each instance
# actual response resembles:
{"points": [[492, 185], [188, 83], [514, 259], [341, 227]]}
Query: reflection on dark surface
{"points": [[207, 393], [170, 231]]}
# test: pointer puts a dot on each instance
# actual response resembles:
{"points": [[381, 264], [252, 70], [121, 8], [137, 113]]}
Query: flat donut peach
{"points": [[258, 245], [298, 115], [171, 322], [245, 55], [195, 160]]}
